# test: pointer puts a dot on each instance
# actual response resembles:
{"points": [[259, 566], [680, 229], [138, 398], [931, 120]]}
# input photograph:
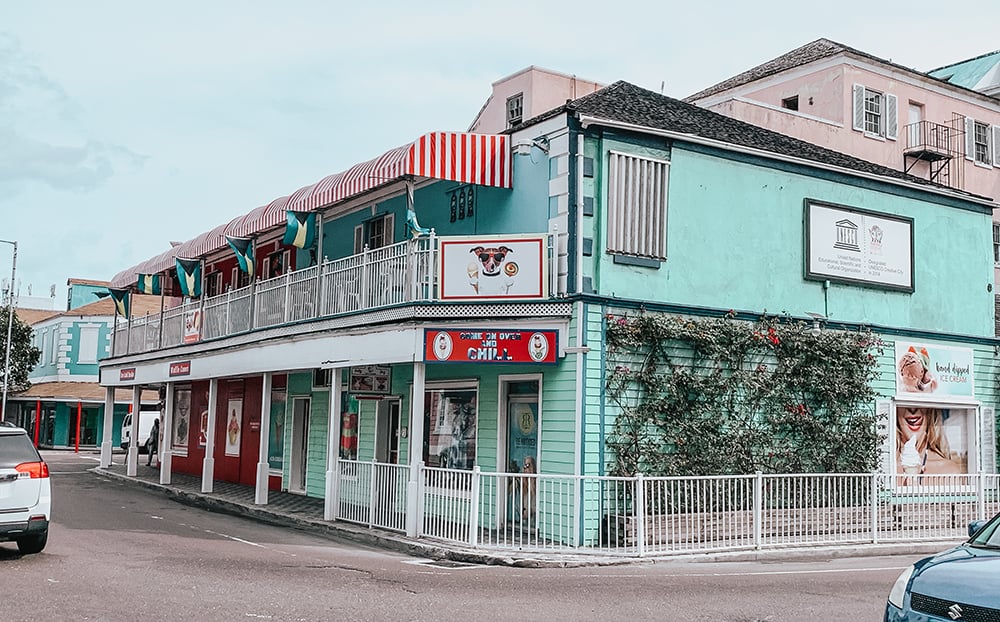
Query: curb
{"points": [[340, 531]]}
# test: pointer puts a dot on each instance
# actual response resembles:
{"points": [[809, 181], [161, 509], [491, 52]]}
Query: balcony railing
{"points": [[401, 273]]}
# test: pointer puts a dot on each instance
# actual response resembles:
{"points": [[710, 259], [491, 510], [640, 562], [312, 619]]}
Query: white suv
{"points": [[25, 492]]}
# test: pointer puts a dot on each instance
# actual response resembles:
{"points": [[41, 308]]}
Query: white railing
{"points": [[392, 275], [373, 494], [641, 516]]}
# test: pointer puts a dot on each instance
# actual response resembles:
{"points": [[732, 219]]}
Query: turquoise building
{"points": [[65, 403], [438, 348]]}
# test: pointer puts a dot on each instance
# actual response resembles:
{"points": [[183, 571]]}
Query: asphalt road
{"points": [[120, 552]]}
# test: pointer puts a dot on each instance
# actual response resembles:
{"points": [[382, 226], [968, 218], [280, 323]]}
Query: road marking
{"points": [[156, 517]]}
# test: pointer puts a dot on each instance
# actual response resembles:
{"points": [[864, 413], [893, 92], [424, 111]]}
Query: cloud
{"points": [[49, 143]]}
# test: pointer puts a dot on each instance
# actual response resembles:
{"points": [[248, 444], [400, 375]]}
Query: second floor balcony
{"points": [[427, 270]]}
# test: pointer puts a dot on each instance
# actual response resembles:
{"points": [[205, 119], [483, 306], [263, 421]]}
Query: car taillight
{"points": [[35, 469]]}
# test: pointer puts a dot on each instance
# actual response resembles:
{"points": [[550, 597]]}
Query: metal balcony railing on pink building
{"points": [[402, 273]]}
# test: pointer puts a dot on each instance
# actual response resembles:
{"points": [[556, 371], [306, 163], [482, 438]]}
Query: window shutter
{"points": [[891, 117], [637, 206], [988, 439], [859, 107], [970, 138], [995, 147], [359, 238], [390, 229]]}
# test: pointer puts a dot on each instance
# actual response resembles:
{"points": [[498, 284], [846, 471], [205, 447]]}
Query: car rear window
{"points": [[15, 449]]}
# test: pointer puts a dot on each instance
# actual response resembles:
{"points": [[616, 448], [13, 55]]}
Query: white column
{"points": [[416, 449], [107, 445], [263, 468], [132, 458], [332, 500], [167, 428], [208, 464]]}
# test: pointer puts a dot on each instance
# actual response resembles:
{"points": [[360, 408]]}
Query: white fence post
{"points": [[981, 495], [419, 518], [371, 494], [474, 508], [758, 508], [640, 514], [874, 507]]}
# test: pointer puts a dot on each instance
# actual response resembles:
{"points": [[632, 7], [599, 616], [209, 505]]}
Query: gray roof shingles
{"points": [[627, 103]]}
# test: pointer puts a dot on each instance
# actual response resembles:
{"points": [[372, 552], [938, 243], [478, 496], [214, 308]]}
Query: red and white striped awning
{"points": [[481, 159]]}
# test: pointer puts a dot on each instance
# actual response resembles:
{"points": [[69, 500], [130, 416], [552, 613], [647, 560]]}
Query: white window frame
{"points": [[363, 233], [90, 335], [637, 206], [515, 109], [996, 244], [54, 351], [886, 117], [992, 142]]}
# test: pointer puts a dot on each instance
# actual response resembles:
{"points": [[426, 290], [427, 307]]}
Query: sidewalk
{"points": [[306, 513]]}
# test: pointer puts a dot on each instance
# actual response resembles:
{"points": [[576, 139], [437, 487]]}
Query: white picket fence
{"points": [[643, 516]]}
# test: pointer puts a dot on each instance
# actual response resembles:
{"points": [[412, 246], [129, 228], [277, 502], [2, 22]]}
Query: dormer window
{"points": [[515, 109]]}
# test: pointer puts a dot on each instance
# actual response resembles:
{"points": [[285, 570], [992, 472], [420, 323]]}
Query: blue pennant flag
{"points": [[243, 247], [121, 300], [301, 229], [149, 284], [189, 276]]}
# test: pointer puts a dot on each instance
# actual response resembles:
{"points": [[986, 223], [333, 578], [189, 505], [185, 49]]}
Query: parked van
{"points": [[146, 418]]}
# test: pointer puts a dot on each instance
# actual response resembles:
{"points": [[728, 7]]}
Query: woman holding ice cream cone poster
{"points": [[922, 446]]}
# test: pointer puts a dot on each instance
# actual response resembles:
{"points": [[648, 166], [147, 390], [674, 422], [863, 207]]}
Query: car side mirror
{"points": [[975, 526]]}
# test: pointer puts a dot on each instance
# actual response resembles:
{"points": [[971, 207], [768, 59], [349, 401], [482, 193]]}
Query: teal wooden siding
{"points": [[733, 225]]}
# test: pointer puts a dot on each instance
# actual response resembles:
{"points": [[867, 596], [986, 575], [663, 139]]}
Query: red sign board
{"points": [[490, 346], [180, 369], [126, 374]]}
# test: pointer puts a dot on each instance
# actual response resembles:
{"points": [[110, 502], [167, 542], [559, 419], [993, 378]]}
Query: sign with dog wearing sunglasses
{"points": [[476, 268]]}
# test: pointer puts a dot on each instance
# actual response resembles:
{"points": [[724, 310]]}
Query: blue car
{"points": [[959, 584]]}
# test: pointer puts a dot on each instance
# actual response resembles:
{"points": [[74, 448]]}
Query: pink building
{"points": [[849, 101], [526, 94]]}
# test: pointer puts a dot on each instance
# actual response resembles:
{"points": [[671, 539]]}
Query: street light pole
{"points": [[10, 325]]}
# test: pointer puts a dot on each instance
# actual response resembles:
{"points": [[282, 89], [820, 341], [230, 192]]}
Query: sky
{"points": [[126, 125]]}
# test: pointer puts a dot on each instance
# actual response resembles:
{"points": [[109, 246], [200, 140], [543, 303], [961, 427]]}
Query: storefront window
{"points": [[933, 441], [182, 420], [450, 422], [276, 434]]}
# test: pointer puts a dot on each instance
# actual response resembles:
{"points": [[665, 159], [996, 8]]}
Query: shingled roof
{"points": [[808, 53], [811, 52], [627, 103]]}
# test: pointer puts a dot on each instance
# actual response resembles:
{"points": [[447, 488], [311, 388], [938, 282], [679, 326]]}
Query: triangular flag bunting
{"points": [[121, 300], [301, 229], [189, 276], [243, 247], [148, 284]]}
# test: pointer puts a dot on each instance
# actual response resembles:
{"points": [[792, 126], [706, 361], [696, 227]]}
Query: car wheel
{"points": [[32, 544]]}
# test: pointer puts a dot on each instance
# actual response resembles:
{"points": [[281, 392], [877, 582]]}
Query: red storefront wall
{"points": [[242, 397]]}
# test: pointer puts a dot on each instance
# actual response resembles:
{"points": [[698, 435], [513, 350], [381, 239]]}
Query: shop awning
{"points": [[481, 159]]}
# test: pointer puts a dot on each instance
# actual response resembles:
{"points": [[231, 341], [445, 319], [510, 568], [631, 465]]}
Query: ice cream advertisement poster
{"points": [[931, 372], [483, 267]]}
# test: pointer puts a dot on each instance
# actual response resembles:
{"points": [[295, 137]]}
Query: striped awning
{"points": [[481, 159]]}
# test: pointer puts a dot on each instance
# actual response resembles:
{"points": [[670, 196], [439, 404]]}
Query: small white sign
{"points": [[856, 246], [505, 267]]}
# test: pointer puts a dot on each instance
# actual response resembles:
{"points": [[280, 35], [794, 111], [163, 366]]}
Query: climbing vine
{"points": [[707, 396]]}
